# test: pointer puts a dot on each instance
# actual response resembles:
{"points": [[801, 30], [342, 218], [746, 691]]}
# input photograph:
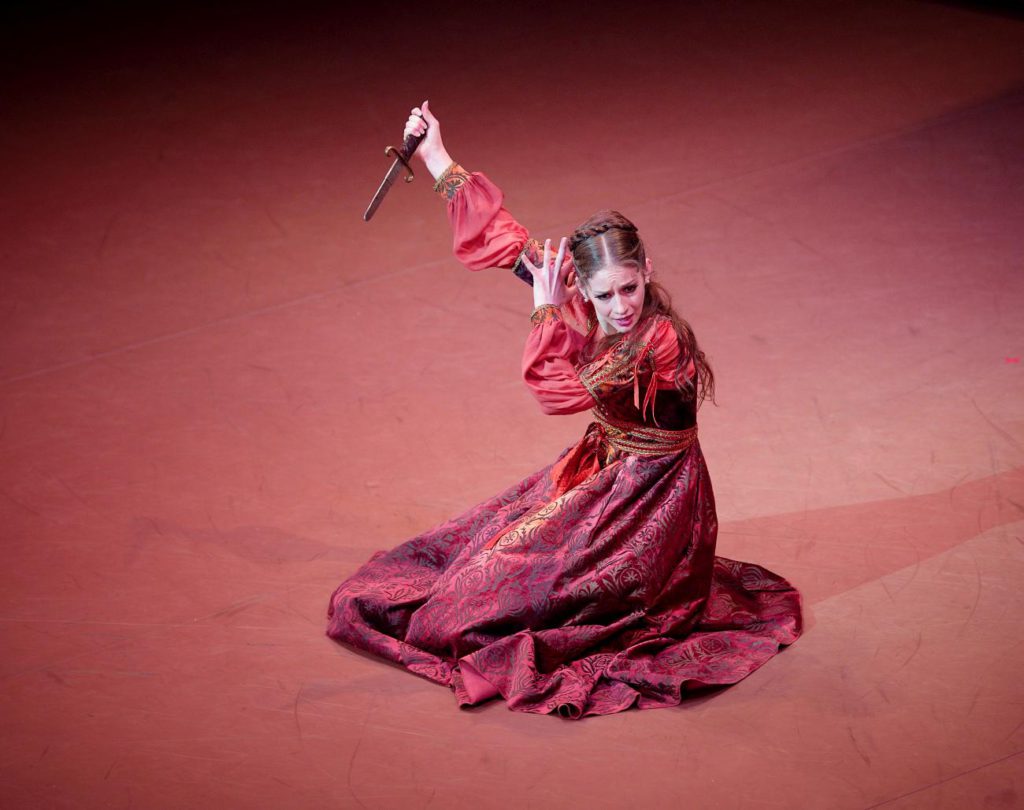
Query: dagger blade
{"points": [[385, 187], [402, 158]]}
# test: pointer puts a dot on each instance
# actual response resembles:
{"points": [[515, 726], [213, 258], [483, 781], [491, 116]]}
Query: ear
{"points": [[648, 270]]}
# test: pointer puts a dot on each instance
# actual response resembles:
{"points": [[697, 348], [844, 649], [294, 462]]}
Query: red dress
{"points": [[592, 585]]}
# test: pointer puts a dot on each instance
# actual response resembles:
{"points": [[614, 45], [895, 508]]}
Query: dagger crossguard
{"points": [[397, 155]]}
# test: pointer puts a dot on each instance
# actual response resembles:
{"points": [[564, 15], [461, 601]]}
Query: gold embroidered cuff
{"points": [[533, 247], [450, 180], [545, 313]]}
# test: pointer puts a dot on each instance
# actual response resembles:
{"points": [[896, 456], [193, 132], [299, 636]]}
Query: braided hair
{"points": [[622, 246], [609, 239]]}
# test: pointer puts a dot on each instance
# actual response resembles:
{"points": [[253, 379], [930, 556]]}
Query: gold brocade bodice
{"points": [[625, 390]]}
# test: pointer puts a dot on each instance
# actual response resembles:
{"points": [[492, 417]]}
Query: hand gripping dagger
{"points": [[402, 157]]}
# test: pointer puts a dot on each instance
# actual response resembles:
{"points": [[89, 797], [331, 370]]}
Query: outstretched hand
{"points": [[431, 149], [553, 281]]}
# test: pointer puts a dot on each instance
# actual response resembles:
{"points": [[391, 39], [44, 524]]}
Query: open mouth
{"points": [[622, 323]]}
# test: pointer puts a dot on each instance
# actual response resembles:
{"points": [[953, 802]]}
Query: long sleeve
{"points": [[484, 233], [549, 364], [665, 346]]}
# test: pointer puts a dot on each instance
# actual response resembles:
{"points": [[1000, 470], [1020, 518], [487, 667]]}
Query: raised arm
{"points": [[484, 233], [487, 235]]}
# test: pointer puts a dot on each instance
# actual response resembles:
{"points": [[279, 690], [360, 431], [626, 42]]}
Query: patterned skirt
{"points": [[589, 587]]}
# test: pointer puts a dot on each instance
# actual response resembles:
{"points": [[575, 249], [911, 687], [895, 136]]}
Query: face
{"points": [[617, 293]]}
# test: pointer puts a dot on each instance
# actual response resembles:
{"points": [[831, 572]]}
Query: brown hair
{"points": [[608, 238]]}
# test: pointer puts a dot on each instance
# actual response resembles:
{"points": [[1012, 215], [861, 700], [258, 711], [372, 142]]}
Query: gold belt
{"points": [[629, 437]]}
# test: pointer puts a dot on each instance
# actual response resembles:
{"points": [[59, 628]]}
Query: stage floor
{"points": [[221, 391]]}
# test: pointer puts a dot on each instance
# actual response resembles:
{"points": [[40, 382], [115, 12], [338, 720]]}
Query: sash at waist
{"points": [[641, 440]]}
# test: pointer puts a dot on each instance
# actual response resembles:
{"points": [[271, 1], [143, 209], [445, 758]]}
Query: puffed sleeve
{"points": [[485, 234], [665, 346], [549, 364]]}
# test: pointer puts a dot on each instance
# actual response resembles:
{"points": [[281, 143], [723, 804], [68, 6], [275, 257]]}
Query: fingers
{"points": [[415, 125], [426, 113], [561, 254], [552, 271]]}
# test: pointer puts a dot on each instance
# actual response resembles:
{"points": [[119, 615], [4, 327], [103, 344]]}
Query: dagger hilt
{"points": [[405, 153]]}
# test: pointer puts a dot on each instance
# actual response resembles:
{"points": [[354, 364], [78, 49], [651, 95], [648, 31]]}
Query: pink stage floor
{"points": [[221, 391]]}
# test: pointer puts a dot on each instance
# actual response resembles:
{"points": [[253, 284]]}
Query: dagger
{"points": [[402, 157]]}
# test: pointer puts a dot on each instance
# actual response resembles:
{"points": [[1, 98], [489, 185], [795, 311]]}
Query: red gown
{"points": [[592, 585]]}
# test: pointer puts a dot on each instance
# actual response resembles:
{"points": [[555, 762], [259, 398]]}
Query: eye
{"points": [[603, 296], [629, 289]]}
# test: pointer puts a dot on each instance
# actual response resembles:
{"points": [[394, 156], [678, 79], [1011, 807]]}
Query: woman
{"points": [[592, 585]]}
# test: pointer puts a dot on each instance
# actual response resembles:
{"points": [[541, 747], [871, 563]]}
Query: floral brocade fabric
{"points": [[587, 588]]}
